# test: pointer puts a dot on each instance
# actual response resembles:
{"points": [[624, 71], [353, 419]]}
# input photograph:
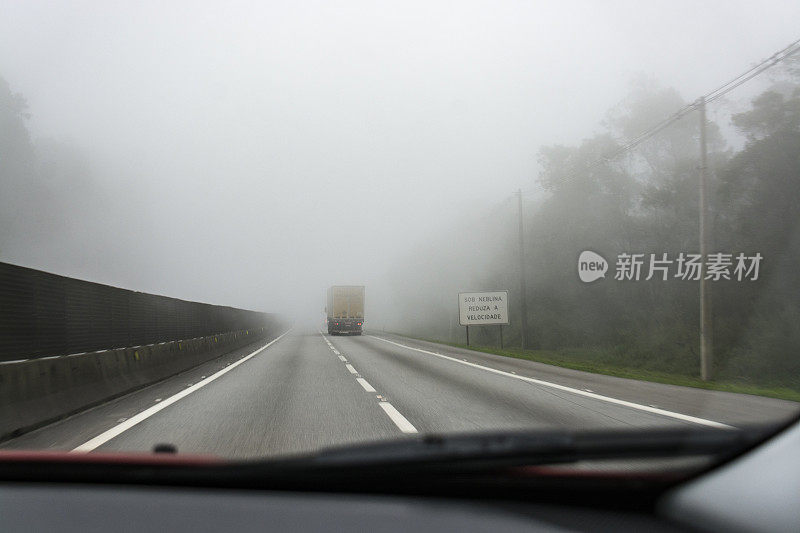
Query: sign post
{"points": [[483, 309]]}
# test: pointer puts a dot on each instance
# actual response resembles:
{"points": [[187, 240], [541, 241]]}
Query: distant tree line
{"points": [[645, 202]]}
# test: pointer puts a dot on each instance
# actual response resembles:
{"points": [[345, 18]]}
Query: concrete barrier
{"points": [[40, 391]]}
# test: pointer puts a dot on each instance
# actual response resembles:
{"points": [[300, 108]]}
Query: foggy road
{"points": [[306, 390]]}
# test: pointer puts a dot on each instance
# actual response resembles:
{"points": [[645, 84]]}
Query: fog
{"points": [[252, 154]]}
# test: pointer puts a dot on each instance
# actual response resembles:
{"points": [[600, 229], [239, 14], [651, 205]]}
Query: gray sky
{"points": [[255, 153]]}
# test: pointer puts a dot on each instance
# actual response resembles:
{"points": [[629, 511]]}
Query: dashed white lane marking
{"points": [[147, 413], [367, 387], [394, 415], [399, 420], [646, 408]]}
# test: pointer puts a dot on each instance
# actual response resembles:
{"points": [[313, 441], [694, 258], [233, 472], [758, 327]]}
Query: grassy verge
{"points": [[578, 360]]}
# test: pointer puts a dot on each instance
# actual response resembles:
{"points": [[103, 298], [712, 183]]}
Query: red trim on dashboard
{"points": [[33, 456]]}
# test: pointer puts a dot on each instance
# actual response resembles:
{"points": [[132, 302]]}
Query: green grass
{"points": [[586, 361]]}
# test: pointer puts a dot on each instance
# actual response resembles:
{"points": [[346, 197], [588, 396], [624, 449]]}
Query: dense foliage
{"points": [[645, 202]]}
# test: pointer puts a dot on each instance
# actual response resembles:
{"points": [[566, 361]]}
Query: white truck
{"points": [[345, 310]]}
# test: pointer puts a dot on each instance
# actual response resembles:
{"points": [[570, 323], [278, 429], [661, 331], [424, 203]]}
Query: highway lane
{"points": [[442, 395], [308, 390], [720, 406], [295, 396], [292, 397]]}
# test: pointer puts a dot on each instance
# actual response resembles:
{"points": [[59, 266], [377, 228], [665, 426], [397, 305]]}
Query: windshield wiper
{"points": [[502, 466], [540, 447], [450, 463]]}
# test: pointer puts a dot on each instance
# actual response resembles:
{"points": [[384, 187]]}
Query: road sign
{"points": [[483, 308]]}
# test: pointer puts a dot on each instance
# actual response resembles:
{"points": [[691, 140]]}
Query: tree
{"points": [[647, 202], [17, 163], [761, 189], [45, 188]]}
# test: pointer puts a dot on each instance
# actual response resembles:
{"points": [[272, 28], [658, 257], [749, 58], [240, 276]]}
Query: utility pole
{"points": [[706, 326], [523, 304]]}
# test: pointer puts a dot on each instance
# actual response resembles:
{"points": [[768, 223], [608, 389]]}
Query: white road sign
{"points": [[483, 308]]}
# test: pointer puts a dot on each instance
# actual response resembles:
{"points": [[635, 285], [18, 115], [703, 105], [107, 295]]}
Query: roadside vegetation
{"points": [[610, 364], [645, 202]]}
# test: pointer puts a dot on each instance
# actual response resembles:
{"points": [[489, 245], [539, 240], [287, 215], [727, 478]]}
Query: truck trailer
{"points": [[345, 310]]}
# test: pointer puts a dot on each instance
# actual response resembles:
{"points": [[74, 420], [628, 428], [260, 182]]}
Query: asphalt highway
{"points": [[307, 390]]}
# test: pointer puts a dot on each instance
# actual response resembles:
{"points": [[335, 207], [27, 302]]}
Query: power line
{"points": [[774, 59], [720, 91], [717, 93]]}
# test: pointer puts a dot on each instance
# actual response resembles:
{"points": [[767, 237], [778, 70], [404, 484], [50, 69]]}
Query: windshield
{"points": [[261, 230]]}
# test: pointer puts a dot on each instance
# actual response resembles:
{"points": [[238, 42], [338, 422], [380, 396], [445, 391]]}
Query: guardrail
{"points": [[43, 314], [56, 361], [39, 391]]}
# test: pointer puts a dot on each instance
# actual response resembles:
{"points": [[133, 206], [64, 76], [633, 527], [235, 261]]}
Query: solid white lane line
{"points": [[337, 352], [342, 359], [351, 369], [367, 387], [147, 413], [640, 407], [399, 420]]}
